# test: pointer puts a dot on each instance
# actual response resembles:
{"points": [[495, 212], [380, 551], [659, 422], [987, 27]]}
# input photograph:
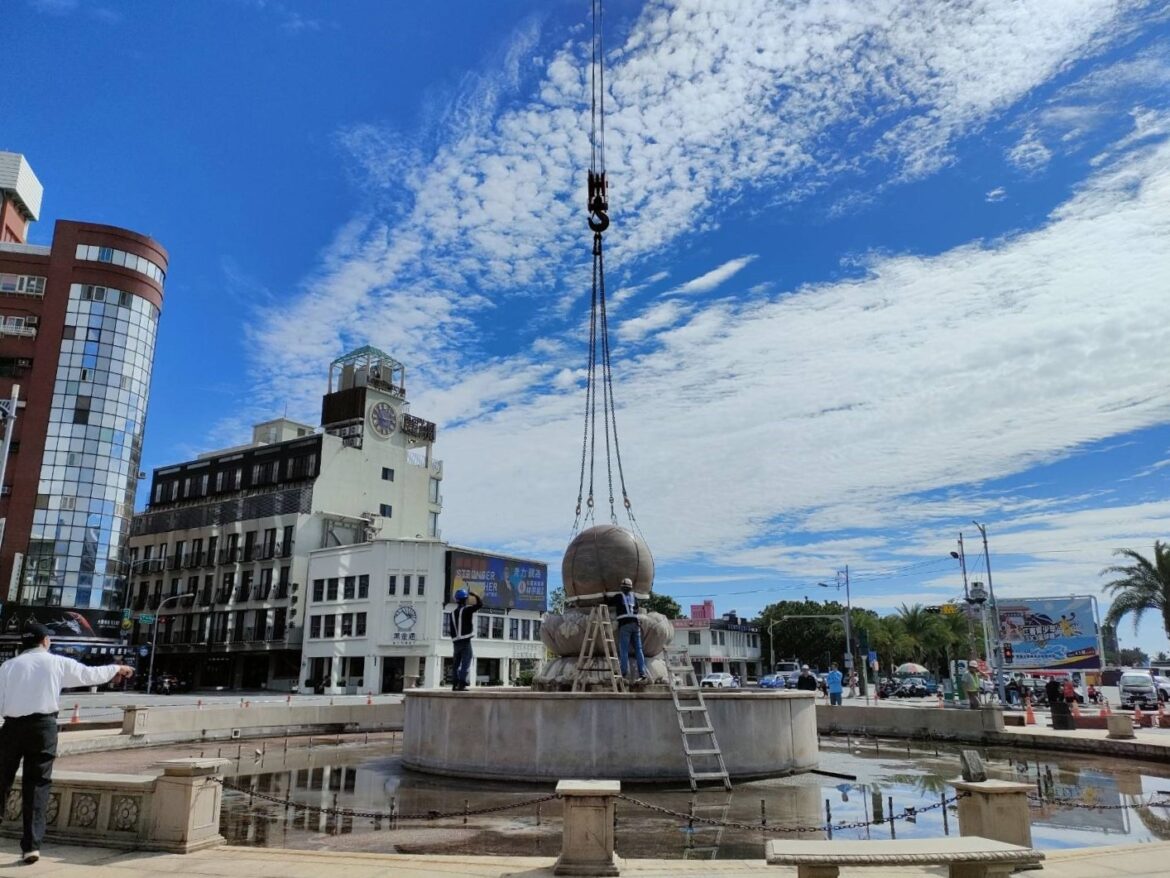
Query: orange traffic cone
{"points": [[288, 701], [369, 698], [1105, 711], [76, 718], [199, 704], [1029, 715], [940, 699], [1137, 715]]}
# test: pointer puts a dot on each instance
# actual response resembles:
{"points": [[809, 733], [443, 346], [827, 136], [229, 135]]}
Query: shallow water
{"points": [[884, 777]]}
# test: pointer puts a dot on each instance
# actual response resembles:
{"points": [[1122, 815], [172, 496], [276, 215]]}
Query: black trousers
{"points": [[32, 739]]}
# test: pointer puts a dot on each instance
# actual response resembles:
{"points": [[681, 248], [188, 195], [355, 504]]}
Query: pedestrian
{"points": [[30, 689], [833, 685], [1069, 691], [806, 680], [625, 605], [853, 684], [1052, 691], [462, 632], [971, 685]]}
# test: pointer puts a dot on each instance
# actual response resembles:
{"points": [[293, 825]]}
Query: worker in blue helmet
{"points": [[462, 633]]}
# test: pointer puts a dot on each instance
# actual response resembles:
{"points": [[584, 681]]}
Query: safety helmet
{"points": [[627, 583], [461, 595]]}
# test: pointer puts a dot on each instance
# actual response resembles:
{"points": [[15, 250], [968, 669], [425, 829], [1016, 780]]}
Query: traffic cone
{"points": [[76, 718], [940, 698], [199, 704], [288, 701], [1029, 715], [1137, 715], [369, 698], [1105, 711]]}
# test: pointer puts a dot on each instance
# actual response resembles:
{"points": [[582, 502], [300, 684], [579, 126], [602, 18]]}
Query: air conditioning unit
{"points": [[32, 321]]}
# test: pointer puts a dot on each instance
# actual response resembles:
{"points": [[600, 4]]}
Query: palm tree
{"points": [[1142, 585], [919, 627]]}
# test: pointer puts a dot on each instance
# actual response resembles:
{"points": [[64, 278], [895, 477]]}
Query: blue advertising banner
{"points": [[503, 583], [1056, 633]]}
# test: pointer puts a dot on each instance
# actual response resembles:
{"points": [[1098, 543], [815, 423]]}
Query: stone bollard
{"points": [[995, 809], [134, 719], [1119, 725], [184, 813], [587, 834]]}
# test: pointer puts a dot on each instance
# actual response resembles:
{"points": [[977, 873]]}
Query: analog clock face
{"points": [[383, 419], [405, 617]]}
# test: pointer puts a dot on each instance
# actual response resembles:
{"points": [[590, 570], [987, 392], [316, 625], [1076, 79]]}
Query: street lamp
{"points": [[772, 644], [848, 623], [154, 634], [998, 640]]}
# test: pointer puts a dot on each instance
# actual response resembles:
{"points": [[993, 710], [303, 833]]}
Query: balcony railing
{"points": [[281, 591], [18, 331], [209, 559], [205, 598], [418, 427], [243, 593]]}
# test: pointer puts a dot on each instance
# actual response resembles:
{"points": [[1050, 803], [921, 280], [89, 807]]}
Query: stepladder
{"points": [[598, 657], [700, 745]]}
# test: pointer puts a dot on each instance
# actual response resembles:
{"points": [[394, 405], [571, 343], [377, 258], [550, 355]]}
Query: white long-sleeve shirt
{"points": [[32, 682]]}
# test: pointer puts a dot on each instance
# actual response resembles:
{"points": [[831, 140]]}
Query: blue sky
{"points": [[876, 269]]}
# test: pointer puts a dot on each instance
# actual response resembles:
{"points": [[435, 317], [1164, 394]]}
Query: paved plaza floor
{"points": [[1133, 861]]}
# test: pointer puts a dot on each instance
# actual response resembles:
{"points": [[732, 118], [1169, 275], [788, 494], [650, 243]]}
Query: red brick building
{"points": [[78, 323]]}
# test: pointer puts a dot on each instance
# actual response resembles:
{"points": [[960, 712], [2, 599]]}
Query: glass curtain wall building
{"points": [[89, 470]]}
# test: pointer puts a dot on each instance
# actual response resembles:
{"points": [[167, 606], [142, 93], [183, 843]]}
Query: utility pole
{"points": [[961, 556], [849, 657], [998, 641]]}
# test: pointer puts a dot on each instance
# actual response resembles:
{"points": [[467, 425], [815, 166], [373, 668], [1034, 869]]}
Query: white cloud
{"points": [[714, 278], [997, 194], [1030, 154], [653, 319]]}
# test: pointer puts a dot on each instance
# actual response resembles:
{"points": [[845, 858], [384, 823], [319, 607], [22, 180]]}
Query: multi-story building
{"points": [[728, 644], [379, 615], [78, 321], [221, 554]]}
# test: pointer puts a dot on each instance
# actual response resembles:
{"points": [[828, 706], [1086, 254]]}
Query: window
{"points": [[347, 587], [331, 589], [393, 588], [385, 510], [497, 627], [314, 626], [219, 481], [347, 625], [406, 584], [433, 491], [286, 545], [91, 253], [694, 638], [525, 629], [330, 626], [432, 524], [447, 625], [481, 625], [536, 629], [318, 590], [387, 474], [360, 625], [269, 542], [363, 586], [422, 585], [513, 629]]}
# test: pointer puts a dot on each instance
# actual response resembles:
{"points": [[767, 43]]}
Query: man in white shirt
{"points": [[30, 686]]}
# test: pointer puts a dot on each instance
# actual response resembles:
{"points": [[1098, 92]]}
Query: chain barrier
{"points": [[393, 816], [1037, 801], [910, 813]]}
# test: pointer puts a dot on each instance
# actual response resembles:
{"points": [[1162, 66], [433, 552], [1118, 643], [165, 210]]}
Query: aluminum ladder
{"points": [[598, 633], [694, 723], [718, 810]]}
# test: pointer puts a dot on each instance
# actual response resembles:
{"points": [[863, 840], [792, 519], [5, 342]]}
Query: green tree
{"points": [[1133, 658], [1142, 585], [662, 603], [556, 601]]}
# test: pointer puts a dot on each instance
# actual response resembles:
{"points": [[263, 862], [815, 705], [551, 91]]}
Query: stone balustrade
{"points": [[175, 810]]}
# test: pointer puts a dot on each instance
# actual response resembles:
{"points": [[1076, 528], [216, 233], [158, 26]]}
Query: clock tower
{"points": [[366, 402]]}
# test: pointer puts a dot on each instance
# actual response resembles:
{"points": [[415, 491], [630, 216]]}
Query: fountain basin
{"points": [[521, 735]]}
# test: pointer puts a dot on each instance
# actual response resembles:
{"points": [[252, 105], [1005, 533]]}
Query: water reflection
{"points": [[352, 790]]}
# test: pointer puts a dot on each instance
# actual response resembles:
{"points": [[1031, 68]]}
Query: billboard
{"points": [[1057, 633], [503, 583], [65, 622]]}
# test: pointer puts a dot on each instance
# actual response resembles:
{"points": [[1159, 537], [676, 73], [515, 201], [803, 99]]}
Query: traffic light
{"points": [[1007, 653]]}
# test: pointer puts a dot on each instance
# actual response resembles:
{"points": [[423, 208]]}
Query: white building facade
{"points": [[220, 558], [378, 620], [725, 645]]}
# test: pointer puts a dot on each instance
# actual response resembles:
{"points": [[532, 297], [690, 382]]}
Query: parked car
{"points": [[772, 681], [1162, 681], [719, 681], [1138, 687]]}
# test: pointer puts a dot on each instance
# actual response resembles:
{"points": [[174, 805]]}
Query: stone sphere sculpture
{"points": [[598, 559]]}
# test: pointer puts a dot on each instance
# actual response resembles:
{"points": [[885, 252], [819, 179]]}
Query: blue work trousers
{"points": [[631, 633]]}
